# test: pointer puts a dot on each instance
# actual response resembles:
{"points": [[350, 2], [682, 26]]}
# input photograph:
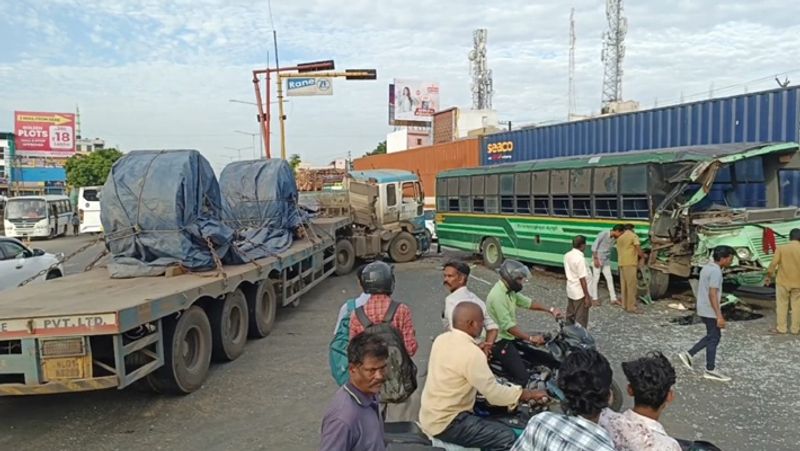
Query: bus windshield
{"points": [[26, 209]]}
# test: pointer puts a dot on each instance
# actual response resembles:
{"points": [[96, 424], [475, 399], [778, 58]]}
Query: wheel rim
{"points": [[403, 247], [235, 321], [342, 257], [190, 349], [491, 252]]}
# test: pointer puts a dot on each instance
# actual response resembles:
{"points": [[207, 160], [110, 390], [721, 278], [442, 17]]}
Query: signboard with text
{"points": [[44, 134], [309, 86], [414, 101]]}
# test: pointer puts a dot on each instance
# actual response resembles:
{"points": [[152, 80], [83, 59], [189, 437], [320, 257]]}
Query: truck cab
{"points": [[388, 203]]}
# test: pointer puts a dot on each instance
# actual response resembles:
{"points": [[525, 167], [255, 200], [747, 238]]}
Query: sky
{"points": [[157, 74]]}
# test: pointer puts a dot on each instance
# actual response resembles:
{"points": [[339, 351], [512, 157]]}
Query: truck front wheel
{"points": [[403, 248], [187, 353], [345, 257]]}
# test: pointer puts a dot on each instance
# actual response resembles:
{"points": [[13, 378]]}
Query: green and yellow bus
{"points": [[683, 202]]}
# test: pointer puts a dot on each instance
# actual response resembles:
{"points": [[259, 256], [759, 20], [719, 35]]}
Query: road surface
{"points": [[273, 397]]}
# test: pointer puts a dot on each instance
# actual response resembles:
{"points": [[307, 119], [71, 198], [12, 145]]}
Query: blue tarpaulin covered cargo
{"points": [[259, 200], [160, 209]]}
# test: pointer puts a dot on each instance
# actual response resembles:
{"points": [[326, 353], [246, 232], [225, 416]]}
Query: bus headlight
{"points": [[744, 253]]}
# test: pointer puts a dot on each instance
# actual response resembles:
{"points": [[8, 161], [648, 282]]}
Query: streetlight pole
{"points": [[252, 135]]}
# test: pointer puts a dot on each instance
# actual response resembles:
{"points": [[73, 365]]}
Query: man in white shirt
{"points": [[651, 380], [456, 276], [579, 299]]}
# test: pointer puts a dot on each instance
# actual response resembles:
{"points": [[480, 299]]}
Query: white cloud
{"points": [[158, 74]]}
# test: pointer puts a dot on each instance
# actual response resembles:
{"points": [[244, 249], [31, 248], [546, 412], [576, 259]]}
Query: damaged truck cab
{"points": [[732, 197]]}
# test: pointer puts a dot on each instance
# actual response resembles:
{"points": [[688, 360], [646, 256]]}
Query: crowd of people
{"points": [[374, 345]]}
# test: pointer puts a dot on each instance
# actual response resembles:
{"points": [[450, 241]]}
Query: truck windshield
{"points": [[26, 209]]}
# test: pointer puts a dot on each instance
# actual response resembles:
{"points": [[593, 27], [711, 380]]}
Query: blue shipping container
{"points": [[767, 116]]}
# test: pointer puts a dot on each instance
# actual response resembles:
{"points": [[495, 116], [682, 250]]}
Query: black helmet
{"points": [[577, 337], [378, 278], [511, 271]]}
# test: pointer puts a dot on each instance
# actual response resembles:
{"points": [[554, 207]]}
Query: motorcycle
{"points": [[543, 365]]}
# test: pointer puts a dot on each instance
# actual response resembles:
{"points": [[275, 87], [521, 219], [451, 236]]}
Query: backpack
{"points": [[337, 350], [401, 372]]}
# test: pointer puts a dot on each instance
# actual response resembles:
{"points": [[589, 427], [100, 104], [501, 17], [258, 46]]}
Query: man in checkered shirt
{"points": [[585, 378]]}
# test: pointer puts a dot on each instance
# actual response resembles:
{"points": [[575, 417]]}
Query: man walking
{"points": [[709, 296], [578, 298], [601, 262], [76, 223], [629, 253], [787, 291]]}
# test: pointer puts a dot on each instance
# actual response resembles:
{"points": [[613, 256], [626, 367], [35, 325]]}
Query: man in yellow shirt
{"points": [[457, 371], [787, 264], [629, 252]]}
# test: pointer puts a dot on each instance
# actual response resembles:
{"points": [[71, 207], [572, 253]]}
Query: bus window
{"points": [[478, 191], [522, 192], [463, 194], [582, 206], [605, 181], [541, 205], [560, 205], [606, 207], [91, 195], [492, 190], [635, 207]]}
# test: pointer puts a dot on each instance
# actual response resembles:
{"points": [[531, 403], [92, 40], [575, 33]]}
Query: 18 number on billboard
{"points": [[61, 137]]}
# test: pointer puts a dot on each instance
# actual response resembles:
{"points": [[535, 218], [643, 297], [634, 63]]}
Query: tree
{"points": [[294, 161], [91, 169], [379, 149]]}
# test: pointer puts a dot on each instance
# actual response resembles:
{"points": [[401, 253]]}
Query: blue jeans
{"points": [[709, 342]]}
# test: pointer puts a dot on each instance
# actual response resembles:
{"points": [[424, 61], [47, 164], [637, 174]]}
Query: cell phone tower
{"points": [[481, 74], [613, 52]]}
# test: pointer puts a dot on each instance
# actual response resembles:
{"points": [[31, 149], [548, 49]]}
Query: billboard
{"points": [[414, 100], [309, 86], [44, 134]]}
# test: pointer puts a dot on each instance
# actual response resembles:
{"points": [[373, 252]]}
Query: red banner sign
{"points": [[44, 134]]}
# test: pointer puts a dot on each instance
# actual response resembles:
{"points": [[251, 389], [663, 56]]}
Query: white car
{"points": [[429, 216], [19, 262]]}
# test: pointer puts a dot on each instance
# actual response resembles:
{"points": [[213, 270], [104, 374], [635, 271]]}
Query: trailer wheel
{"points": [[403, 248], [229, 324], [345, 257], [262, 310], [659, 284], [492, 253], [187, 353]]}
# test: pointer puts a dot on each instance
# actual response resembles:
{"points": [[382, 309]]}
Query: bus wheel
{"points": [[659, 284], [229, 322], [187, 352], [263, 309], [403, 248], [492, 253]]}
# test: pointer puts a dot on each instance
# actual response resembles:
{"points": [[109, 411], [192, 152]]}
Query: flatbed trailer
{"points": [[89, 332]]}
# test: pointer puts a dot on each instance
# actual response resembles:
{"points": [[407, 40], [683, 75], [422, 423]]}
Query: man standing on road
{"points": [[352, 421], [501, 304], [578, 298], [787, 291], [629, 257], [380, 310], [601, 262], [650, 381], [457, 371], [585, 378], [456, 275], [709, 297], [76, 223]]}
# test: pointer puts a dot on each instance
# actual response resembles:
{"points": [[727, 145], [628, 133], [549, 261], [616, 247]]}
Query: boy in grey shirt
{"points": [[709, 296]]}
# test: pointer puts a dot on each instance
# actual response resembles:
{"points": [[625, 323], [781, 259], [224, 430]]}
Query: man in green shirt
{"points": [[501, 305]]}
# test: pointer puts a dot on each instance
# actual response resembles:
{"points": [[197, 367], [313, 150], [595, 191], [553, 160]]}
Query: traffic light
{"points": [[316, 66], [361, 74]]}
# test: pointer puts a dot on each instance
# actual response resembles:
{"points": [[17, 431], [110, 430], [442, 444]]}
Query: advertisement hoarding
{"points": [[44, 134], [414, 100], [309, 86]]}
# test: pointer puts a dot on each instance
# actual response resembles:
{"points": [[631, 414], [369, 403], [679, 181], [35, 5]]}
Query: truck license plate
{"points": [[64, 368]]}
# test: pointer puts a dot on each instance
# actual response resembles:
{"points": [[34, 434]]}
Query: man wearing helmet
{"points": [[501, 304], [377, 280]]}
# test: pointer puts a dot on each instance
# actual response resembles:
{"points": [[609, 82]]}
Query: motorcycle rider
{"points": [[457, 371], [501, 304]]}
